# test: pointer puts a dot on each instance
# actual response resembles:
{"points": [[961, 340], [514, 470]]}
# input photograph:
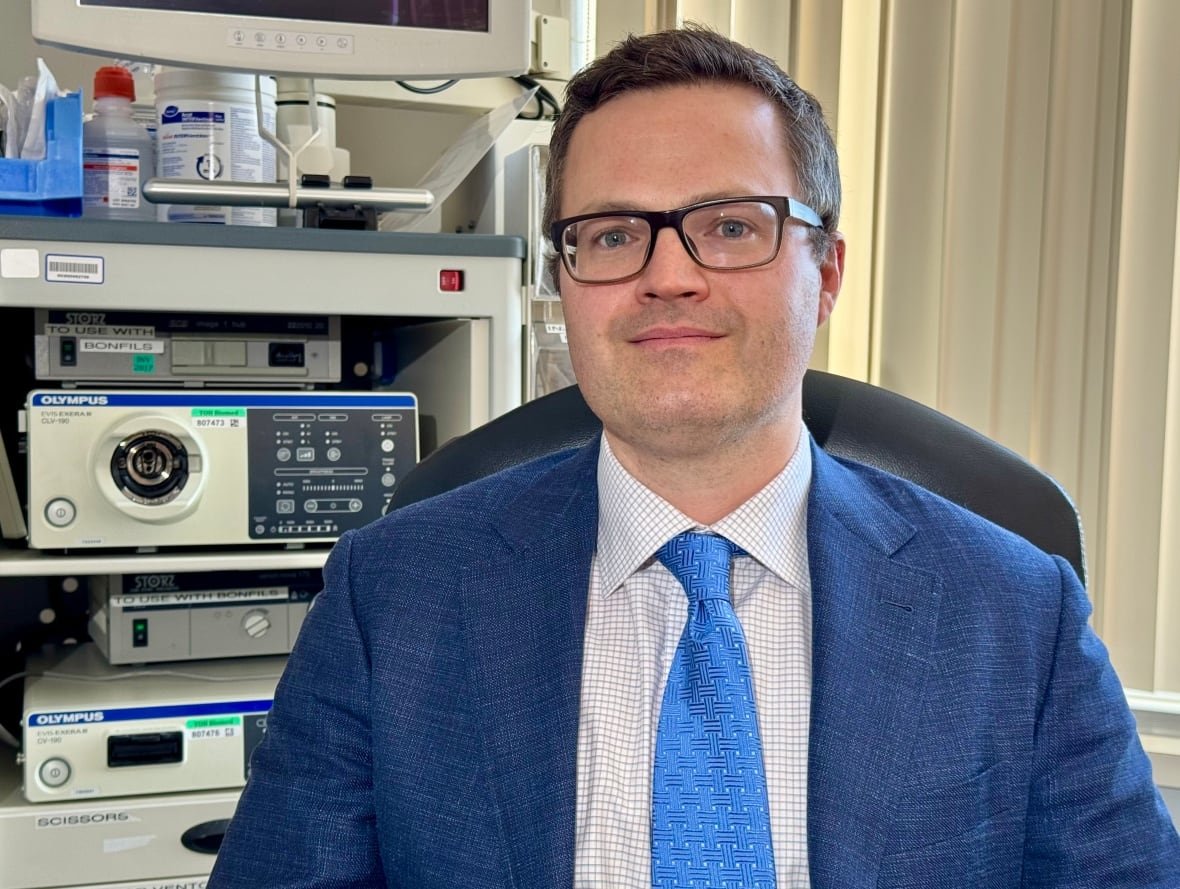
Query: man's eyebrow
{"points": [[629, 206], [609, 207]]}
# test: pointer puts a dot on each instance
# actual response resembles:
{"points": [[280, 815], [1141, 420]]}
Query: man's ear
{"points": [[831, 275]]}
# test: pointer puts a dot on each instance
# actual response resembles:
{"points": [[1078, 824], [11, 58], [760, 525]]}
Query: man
{"points": [[524, 682]]}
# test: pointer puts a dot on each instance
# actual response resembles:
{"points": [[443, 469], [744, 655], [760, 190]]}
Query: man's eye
{"points": [[732, 228], [612, 239]]}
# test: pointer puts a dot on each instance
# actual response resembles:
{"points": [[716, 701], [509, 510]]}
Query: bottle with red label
{"points": [[117, 152]]}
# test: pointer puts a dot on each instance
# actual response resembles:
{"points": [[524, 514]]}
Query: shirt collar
{"points": [[771, 526]]}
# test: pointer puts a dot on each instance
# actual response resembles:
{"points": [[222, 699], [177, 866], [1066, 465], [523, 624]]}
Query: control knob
{"points": [[256, 622]]}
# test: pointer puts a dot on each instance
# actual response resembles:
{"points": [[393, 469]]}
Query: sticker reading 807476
{"points": [[65, 269], [219, 417]]}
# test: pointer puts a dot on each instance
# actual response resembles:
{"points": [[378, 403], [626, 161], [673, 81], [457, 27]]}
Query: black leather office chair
{"points": [[848, 418]]}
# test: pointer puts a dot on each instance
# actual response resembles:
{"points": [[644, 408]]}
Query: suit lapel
{"points": [[873, 622], [524, 620]]}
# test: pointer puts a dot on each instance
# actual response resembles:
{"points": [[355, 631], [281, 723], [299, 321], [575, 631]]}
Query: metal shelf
{"points": [[237, 269], [234, 269], [216, 268]]}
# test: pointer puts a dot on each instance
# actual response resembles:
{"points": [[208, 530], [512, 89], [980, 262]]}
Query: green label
{"points": [[213, 722], [143, 364], [219, 412]]}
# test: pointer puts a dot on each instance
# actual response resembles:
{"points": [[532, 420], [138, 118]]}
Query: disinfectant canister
{"points": [[208, 129]]}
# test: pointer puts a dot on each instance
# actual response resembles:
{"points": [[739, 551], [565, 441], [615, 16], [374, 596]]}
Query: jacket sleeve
{"points": [[1095, 817], [306, 818]]}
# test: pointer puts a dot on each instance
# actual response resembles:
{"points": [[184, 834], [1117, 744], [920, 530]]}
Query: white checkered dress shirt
{"points": [[635, 616]]}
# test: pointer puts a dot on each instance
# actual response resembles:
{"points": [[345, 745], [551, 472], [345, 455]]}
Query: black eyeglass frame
{"points": [[785, 208]]}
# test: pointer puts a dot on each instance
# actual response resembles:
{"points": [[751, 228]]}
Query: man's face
{"points": [[682, 358]]}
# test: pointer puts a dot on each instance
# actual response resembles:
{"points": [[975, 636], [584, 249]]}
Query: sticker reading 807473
{"points": [[219, 417], [65, 269]]}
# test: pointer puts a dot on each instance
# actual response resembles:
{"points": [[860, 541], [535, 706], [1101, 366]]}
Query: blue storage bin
{"points": [[53, 186]]}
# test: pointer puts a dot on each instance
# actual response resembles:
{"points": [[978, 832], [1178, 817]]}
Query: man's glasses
{"points": [[731, 233]]}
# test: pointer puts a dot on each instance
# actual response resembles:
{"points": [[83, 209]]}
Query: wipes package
{"points": [[22, 114]]}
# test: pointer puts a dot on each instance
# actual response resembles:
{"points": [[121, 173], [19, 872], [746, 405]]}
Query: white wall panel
{"points": [[1139, 395], [912, 164]]}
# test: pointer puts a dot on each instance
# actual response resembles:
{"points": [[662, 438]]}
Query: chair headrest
{"points": [[847, 418]]}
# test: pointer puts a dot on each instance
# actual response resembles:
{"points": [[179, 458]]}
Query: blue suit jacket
{"points": [[967, 728]]}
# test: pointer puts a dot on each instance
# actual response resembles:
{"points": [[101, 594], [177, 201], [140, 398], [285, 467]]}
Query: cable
{"points": [[543, 97], [427, 90], [13, 677], [5, 735], [542, 91]]}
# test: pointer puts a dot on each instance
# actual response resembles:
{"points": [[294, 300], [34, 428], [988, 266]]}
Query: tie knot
{"points": [[701, 563]]}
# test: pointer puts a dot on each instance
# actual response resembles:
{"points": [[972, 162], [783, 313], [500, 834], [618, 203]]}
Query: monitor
{"points": [[360, 39]]}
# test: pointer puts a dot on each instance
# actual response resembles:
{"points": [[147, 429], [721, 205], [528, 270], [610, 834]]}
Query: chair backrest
{"points": [[846, 417]]}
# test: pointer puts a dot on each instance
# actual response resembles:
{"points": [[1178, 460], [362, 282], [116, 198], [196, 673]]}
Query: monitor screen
{"points": [[409, 39], [450, 15]]}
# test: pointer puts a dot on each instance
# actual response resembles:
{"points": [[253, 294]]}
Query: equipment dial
{"points": [[150, 467], [256, 622]]}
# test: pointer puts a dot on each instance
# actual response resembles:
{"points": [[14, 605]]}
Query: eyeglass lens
{"points": [[732, 235]]}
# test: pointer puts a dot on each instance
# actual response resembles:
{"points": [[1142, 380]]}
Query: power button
{"points": [[54, 772], [60, 512]]}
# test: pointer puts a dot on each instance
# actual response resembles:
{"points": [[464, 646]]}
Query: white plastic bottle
{"points": [[117, 152]]}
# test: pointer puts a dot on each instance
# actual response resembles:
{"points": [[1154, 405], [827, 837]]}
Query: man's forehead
{"points": [[664, 148], [676, 116], [671, 96]]}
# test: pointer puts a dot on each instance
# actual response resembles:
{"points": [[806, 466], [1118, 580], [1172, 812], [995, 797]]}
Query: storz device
{"points": [[170, 348], [92, 730], [138, 468], [144, 618]]}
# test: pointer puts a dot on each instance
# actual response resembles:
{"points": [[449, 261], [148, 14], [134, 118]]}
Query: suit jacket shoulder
{"points": [[967, 725]]}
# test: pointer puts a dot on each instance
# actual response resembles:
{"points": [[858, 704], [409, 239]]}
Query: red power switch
{"points": [[450, 280]]}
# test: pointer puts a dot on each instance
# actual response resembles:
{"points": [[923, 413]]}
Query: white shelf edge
{"points": [[32, 563], [1153, 701]]}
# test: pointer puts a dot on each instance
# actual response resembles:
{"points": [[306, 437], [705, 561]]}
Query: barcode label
{"points": [[74, 269]]}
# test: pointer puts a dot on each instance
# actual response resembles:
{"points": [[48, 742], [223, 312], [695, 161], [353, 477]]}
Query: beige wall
{"points": [[1024, 265], [1011, 172], [1141, 573], [18, 52]]}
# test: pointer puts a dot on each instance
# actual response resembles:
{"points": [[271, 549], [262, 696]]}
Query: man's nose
{"points": [[671, 272]]}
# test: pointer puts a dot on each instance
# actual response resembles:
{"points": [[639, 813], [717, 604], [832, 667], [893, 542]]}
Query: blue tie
{"points": [[710, 823]]}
